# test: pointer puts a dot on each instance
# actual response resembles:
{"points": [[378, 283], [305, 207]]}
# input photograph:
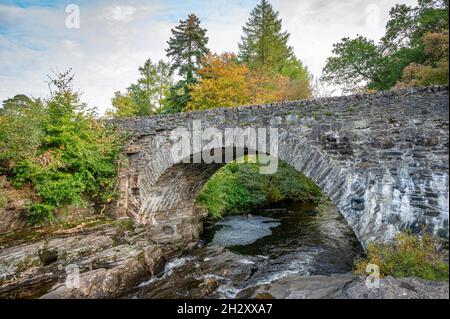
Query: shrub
{"points": [[18, 115], [407, 256], [75, 158], [237, 188]]}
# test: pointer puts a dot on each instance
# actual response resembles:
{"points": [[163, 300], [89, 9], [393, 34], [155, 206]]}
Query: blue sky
{"points": [[115, 37]]}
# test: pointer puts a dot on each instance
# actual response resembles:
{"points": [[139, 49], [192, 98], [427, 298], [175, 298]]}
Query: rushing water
{"points": [[246, 251]]}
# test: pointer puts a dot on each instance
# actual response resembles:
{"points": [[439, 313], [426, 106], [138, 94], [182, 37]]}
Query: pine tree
{"points": [[264, 46], [187, 48]]}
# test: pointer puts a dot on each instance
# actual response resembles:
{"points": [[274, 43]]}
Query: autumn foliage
{"points": [[226, 82], [435, 69]]}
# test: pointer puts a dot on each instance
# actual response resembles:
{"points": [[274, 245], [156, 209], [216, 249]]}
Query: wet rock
{"points": [[358, 203], [48, 256], [298, 287], [109, 258], [348, 286], [104, 283], [154, 259], [398, 288], [12, 220]]}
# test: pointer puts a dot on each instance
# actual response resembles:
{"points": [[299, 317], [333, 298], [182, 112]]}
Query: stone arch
{"points": [[168, 190]]}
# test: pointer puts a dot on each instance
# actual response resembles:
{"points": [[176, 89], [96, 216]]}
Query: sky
{"points": [[113, 38]]}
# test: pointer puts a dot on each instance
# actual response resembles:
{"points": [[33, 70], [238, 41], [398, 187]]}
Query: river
{"points": [[241, 252]]}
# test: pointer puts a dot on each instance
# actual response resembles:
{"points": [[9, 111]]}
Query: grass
{"points": [[352, 108], [407, 256]]}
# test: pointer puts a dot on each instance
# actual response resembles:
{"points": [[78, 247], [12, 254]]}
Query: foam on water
{"points": [[243, 230]]}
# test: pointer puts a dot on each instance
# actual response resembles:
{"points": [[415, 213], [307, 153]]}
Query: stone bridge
{"points": [[381, 158]]}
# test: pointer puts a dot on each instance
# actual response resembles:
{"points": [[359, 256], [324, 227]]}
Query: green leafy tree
{"points": [[187, 48], [360, 62], [146, 88], [355, 62], [164, 82], [123, 106], [264, 48], [17, 104], [18, 115], [147, 95], [407, 25]]}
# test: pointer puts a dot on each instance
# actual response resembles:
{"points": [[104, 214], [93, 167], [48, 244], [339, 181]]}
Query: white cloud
{"points": [[119, 13]]}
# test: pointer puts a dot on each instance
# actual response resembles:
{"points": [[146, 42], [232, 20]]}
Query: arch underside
{"points": [[168, 209]]}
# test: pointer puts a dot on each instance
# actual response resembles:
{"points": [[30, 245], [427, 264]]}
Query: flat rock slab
{"points": [[347, 286], [110, 259]]}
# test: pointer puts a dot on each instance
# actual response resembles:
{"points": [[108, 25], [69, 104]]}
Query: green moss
{"points": [[27, 263], [3, 197], [328, 113], [352, 108], [407, 256], [38, 233], [3, 201], [125, 224]]}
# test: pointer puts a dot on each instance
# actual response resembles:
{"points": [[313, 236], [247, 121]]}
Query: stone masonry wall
{"points": [[382, 158]]}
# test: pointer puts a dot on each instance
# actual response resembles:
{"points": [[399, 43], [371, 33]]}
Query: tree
{"points": [[75, 157], [224, 82], [147, 95], [435, 69], [187, 47], [18, 115], [17, 104], [123, 106], [146, 88], [360, 62], [407, 25], [355, 62], [165, 81], [264, 45]]}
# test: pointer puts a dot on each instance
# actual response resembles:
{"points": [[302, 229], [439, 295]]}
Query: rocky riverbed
{"points": [[276, 254]]}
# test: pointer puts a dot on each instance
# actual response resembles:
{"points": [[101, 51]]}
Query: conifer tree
{"points": [[264, 45], [187, 47]]}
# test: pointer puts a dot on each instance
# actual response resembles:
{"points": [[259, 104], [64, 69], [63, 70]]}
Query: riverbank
{"points": [[115, 256]]}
